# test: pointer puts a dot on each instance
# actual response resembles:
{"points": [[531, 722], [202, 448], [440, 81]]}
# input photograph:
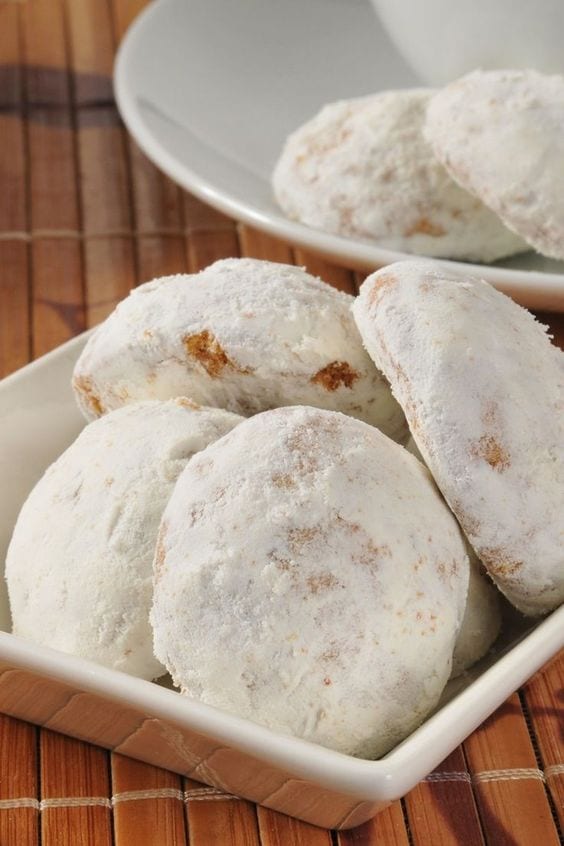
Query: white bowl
{"points": [[442, 39], [38, 420]]}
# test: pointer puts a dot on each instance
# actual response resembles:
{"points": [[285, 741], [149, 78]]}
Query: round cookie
{"points": [[362, 169], [333, 617], [244, 335], [481, 623], [79, 565], [500, 134], [482, 388]]}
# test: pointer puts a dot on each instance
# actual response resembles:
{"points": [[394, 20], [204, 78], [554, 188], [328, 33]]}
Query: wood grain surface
{"points": [[84, 217]]}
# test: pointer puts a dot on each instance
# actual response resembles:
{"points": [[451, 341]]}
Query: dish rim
{"points": [[385, 779]]}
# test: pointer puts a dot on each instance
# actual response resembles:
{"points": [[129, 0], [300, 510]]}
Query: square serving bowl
{"points": [[38, 420]]}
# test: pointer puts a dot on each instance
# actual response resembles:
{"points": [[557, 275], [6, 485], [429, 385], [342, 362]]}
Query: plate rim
{"points": [[527, 286]]}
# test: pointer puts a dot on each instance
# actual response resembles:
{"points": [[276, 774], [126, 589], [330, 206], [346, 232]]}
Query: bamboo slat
{"points": [[210, 235], [255, 244], [206, 247], [217, 821], [73, 770], [19, 824], [509, 789], [13, 212], [14, 309], [45, 53], [442, 809], [58, 303], [278, 830], [91, 50], [54, 202], [109, 256], [124, 13], [153, 817], [544, 697], [158, 221], [387, 829], [10, 57]]}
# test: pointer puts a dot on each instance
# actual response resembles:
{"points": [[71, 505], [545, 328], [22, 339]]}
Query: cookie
{"points": [[482, 388], [362, 169], [331, 615], [500, 135], [481, 623], [244, 335], [79, 565]]}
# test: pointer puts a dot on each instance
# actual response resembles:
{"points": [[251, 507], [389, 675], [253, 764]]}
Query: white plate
{"points": [[210, 89], [38, 420]]}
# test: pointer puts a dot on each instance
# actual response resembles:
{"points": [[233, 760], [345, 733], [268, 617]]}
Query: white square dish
{"points": [[38, 420]]}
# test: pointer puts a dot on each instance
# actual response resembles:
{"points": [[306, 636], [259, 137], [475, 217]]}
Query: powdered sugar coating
{"points": [[244, 335], [362, 169], [79, 566], [482, 388], [500, 134], [331, 616], [481, 623]]}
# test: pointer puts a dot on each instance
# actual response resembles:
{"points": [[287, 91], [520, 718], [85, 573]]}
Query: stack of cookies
{"points": [[241, 513], [474, 171]]}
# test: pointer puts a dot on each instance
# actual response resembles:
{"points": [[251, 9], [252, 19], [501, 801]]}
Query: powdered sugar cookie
{"points": [[483, 391], [79, 566], [500, 134], [481, 623], [333, 617], [244, 335], [362, 169]]}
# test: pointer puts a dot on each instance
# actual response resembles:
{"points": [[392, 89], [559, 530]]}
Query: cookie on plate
{"points": [[500, 134], [482, 388], [79, 565], [333, 617], [244, 335], [362, 169], [481, 623]]}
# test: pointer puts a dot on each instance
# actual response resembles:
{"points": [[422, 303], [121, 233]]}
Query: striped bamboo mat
{"points": [[83, 218]]}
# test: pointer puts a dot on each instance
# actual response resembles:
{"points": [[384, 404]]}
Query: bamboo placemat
{"points": [[84, 217]]}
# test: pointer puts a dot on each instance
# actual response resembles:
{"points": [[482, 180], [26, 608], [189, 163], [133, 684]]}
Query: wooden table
{"points": [[83, 218]]}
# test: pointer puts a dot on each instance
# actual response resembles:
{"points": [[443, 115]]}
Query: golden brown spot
{"points": [[148, 333], [160, 551], [205, 348], [283, 480], [283, 564], [334, 375], [330, 654], [380, 283], [83, 385], [424, 226], [298, 538], [323, 581], [108, 481], [371, 553], [499, 562], [184, 402], [491, 451]]}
